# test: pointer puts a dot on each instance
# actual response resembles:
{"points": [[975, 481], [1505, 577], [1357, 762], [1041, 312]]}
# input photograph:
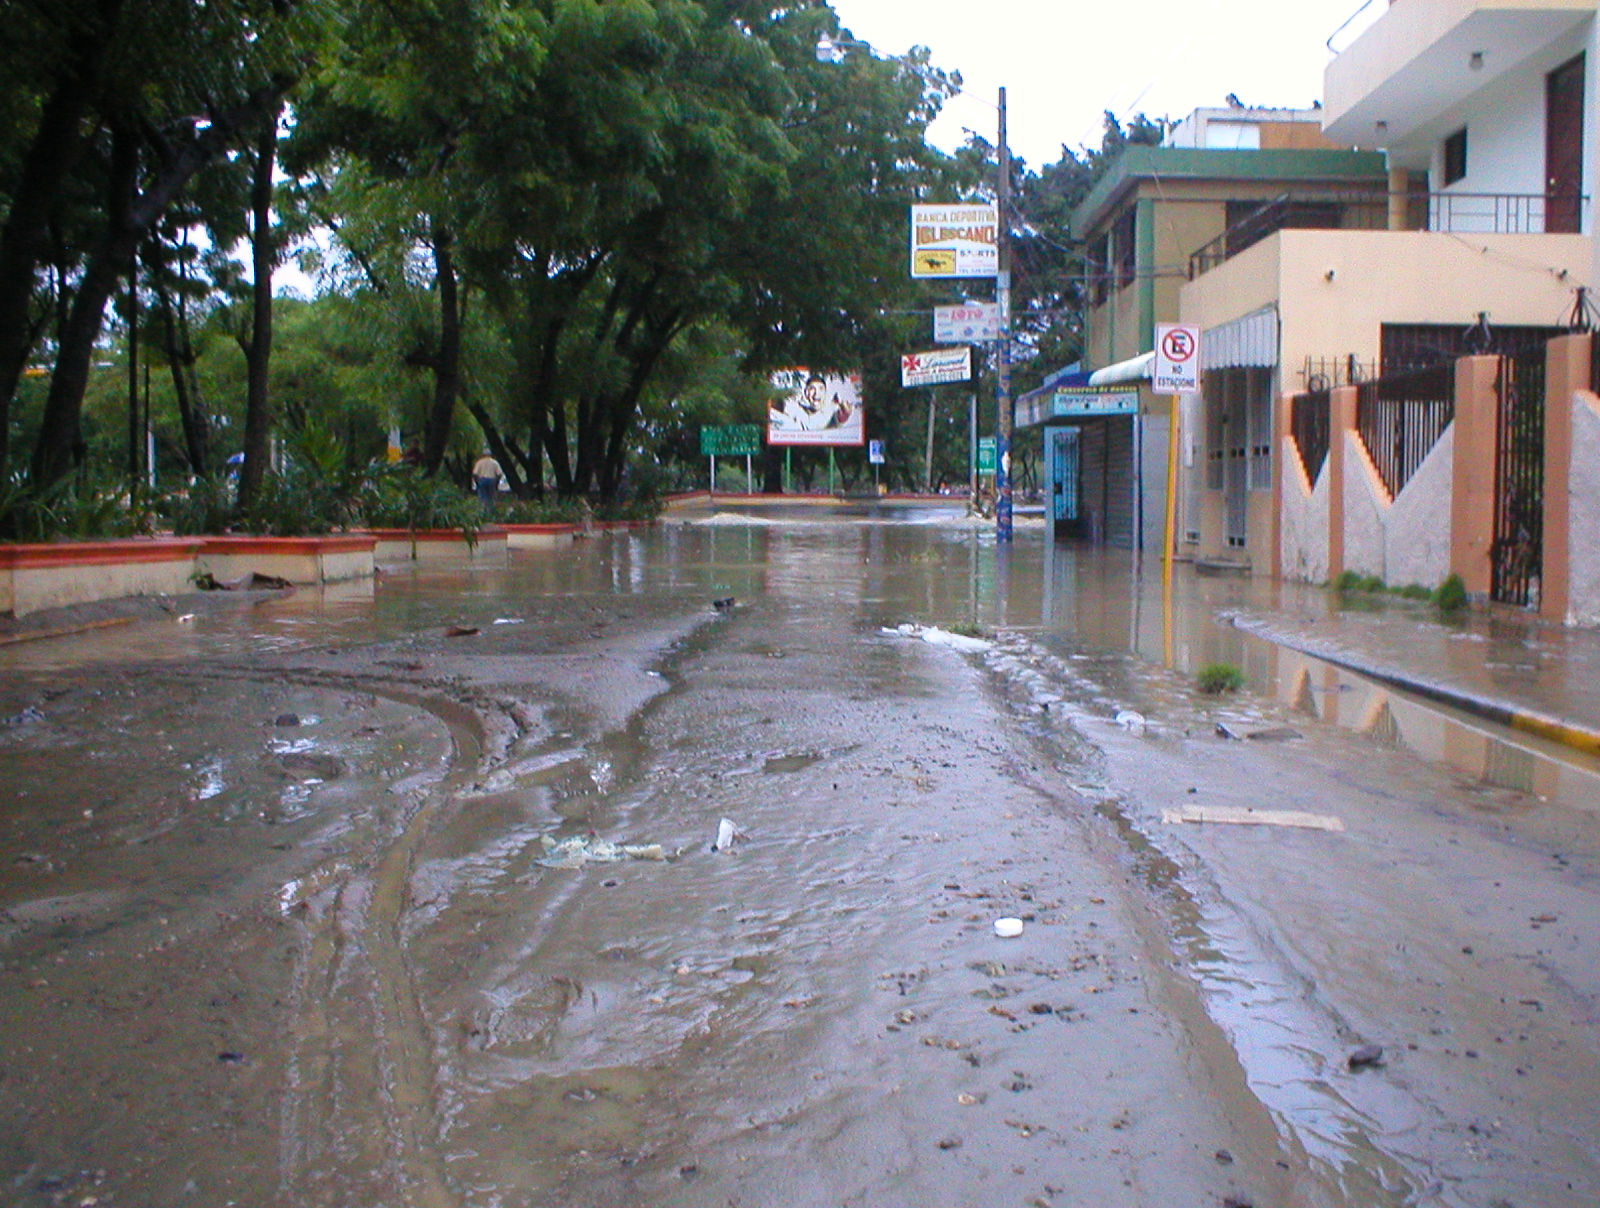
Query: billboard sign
{"points": [[955, 241], [936, 368], [969, 323], [815, 409]]}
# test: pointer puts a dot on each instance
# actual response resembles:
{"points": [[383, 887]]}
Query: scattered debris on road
{"points": [[727, 835], [941, 637], [1234, 815], [1366, 1055], [577, 850]]}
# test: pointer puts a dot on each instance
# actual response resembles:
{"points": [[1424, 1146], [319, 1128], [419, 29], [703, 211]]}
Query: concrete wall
{"points": [[1417, 526], [1304, 519], [1505, 138], [1363, 505], [1567, 371], [36, 577], [1583, 506]]}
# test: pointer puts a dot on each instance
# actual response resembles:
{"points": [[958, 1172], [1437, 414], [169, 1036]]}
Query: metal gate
{"points": [[1517, 553], [1236, 443], [1062, 472]]}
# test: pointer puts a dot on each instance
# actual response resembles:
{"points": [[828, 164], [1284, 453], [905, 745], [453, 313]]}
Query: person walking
{"points": [[486, 477]]}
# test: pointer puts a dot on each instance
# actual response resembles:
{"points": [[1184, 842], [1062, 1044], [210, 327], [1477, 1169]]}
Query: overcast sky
{"points": [[1063, 63]]}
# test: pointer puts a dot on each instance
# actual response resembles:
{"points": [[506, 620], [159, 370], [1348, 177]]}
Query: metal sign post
{"points": [[1176, 372], [1002, 297]]}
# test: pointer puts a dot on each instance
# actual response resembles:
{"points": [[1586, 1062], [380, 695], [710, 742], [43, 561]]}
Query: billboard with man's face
{"points": [[815, 409]]}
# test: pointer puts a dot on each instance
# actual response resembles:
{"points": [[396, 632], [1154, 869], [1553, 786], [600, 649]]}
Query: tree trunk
{"points": [[258, 352], [60, 446], [181, 357], [625, 408], [447, 364], [57, 145]]}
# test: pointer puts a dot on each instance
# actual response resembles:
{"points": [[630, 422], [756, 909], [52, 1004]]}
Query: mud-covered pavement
{"points": [[274, 927]]}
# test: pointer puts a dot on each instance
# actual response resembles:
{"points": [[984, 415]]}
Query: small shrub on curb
{"points": [[1216, 678], [1451, 595], [1348, 581]]}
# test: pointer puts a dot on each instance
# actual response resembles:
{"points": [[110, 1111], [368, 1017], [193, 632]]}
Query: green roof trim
{"points": [[1137, 163]]}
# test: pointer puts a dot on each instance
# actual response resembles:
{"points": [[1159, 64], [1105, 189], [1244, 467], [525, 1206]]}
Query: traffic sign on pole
{"points": [[1177, 367]]}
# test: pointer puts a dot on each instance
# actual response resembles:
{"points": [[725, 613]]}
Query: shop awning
{"points": [[1134, 369], [1250, 341]]}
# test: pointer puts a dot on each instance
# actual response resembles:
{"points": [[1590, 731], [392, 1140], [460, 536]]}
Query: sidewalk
{"points": [[1521, 672]]}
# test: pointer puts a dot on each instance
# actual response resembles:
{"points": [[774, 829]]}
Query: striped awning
{"points": [[1248, 341]]}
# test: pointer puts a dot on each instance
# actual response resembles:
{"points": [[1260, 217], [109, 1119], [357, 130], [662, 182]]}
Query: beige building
{"points": [[1485, 114], [1151, 223]]}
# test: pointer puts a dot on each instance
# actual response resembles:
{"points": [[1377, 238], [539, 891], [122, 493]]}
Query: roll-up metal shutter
{"points": [[1121, 481], [1092, 463]]}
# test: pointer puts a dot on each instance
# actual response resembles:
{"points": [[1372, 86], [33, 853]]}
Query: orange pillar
{"points": [[1341, 421], [1472, 488], [1566, 371]]}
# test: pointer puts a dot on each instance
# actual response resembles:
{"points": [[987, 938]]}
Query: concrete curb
{"points": [[1568, 733]]}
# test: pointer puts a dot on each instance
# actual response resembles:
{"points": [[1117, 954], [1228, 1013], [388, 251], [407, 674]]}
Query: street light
{"points": [[832, 50]]}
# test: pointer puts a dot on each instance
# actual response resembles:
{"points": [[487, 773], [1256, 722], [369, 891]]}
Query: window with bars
{"points": [[1124, 235], [1099, 270]]}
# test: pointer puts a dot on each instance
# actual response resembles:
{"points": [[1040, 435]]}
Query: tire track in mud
{"points": [[366, 921]]}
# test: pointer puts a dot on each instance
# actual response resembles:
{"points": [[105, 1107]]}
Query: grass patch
{"points": [[1216, 678]]}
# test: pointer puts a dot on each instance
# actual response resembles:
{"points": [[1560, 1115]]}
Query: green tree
{"points": [[184, 87]]}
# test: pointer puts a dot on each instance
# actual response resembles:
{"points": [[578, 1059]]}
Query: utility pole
{"points": [[1002, 389]]}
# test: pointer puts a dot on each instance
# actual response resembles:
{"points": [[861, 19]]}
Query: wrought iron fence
{"points": [[1401, 417], [1517, 554], [1324, 373], [1309, 421]]}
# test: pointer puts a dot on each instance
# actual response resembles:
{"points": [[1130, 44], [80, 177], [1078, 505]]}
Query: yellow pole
{"points": [[1172, 534]]}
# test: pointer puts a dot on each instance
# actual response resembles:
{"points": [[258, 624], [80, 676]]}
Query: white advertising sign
{"points": [[936, 367], [955, 241], [815, 409], [1177, 365], [969, 323]]}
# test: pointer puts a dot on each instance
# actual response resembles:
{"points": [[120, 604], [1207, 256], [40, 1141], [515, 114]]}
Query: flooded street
{"points": [[404, 894]]}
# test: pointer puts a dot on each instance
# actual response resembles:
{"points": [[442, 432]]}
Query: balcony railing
{"points": [[1460, 213]]}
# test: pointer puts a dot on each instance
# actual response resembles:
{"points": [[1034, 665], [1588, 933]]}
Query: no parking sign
{"points": [[1177, 367]]}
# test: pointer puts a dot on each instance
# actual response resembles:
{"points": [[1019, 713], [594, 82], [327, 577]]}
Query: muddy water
{"points": [[276, 928]]}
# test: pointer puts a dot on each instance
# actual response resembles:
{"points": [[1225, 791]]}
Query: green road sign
{"points": [[732, 440], [986, 455]]}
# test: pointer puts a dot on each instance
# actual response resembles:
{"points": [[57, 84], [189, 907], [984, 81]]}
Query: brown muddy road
{"points": [[244, 961]]}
